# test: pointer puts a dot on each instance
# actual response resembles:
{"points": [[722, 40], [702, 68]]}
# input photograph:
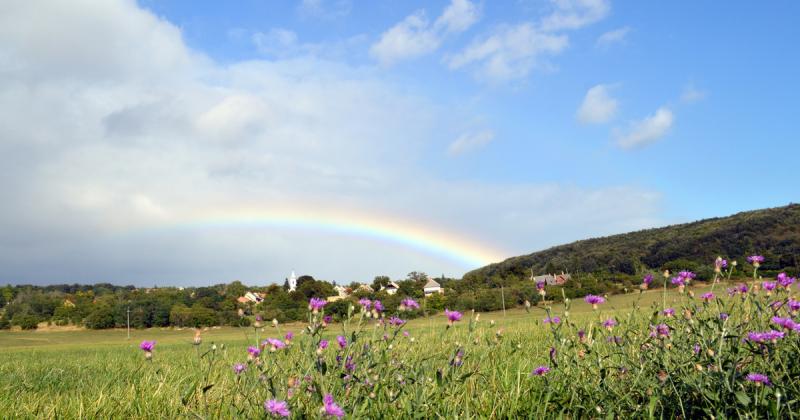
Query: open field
{"points": [[474, 369]]}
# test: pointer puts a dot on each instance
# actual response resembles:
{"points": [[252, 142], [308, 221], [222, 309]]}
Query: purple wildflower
{"points": [[458, 359], [660, 331], [687, 275], [696, 349], [275, 344], [406, 334], [707, 296], [540, 371], [323, 344], [342, 341], [610, 323], [719, 264], [756, 260], [239, 368], [316, 304], [147, 346], [646, 280], [581, 338], [289, 336], [554, 320], [327, 319], [786, 323], [723, 316], [784, 280], [764, 337], [377, 306], [594, 300], [452, 316], [408, 304], [365, 303], [540, 285], [253, 352], [669, 312], [769, 286], [330, 408], [678, 281], [396, 322], [794, 305], [758, 379], [277, 408]]}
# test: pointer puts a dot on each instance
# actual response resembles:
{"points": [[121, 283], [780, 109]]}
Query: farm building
{"points": [[431, 287]]}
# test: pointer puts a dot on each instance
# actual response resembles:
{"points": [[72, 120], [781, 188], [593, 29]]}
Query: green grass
{"points": [[91, 374]]}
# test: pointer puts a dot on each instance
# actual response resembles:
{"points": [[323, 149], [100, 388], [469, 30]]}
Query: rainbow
{"points": [[454, 247]]}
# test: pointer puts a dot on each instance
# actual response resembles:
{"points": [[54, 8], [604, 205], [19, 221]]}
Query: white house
{"points": [[431, 287], [391, 288]]}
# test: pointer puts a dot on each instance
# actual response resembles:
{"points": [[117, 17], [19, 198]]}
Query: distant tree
{"points": [[303, 279], [235, 289], [380, 281], [26, 321], [102, 316], [417, 276]]}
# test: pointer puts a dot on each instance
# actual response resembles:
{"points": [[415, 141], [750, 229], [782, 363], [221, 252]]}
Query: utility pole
{"points": [[503, 298], [129, 322]]}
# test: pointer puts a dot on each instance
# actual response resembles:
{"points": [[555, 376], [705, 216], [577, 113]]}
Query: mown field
{"points": [[480, 367]]}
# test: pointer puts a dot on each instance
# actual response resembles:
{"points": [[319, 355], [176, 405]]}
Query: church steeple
{"points": [[292, 282]]}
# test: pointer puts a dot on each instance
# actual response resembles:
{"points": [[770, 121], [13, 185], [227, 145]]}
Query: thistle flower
{"points": [[648, 278], [719, 264], [239, 368], [257, 323], [327, 319], [342, 341], [365, 303], [594, 300], [687, 276], [784, 281], [610, 323], [669, 312], [769, 286], [289, 336], [786, 323], [452, 316], [377, 307], [330, 408], [764, 337], [554, 320], [408, 304], [794, 305], [540, 371], [758, 379], [396, 322], [316, 304], [723, 316], [660, 331], [755, 260], [707, 296], [458, 359], [323, 344], [581, 336], [275, 344], [277, 408], [680, 282], [540, 288], [147, 347], [253, 352], [696, 349]]}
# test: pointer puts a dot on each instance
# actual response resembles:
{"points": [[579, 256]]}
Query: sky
{"points": [[188, 143]]}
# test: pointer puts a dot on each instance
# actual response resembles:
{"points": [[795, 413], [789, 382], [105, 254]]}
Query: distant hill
{"points": [[774, 233]]}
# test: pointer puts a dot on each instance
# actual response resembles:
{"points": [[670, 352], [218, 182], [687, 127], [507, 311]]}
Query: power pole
{"points": [[129, 322], [503, 298]]}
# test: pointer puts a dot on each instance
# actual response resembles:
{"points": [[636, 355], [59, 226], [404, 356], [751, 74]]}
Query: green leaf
{"points": [[743, 398]]}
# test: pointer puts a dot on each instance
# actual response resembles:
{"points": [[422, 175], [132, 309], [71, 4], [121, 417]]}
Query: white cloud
{"points": [[613, 37], [468, 142], [598, 106], [648, 130], [415, 36], [277, 41], [510, 52], [574, 14], [691, 94], [113, 133]]}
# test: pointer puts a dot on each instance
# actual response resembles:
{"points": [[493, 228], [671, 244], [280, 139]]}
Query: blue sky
{"points": [[512, 125]]}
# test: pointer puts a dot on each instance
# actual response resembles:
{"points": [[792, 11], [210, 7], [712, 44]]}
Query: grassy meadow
{"points": [[480, 367]]}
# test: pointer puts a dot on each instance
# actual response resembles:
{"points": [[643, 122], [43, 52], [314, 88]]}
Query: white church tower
{"points": [[292, 282]]}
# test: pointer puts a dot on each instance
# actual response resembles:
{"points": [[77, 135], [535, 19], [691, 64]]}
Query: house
{"points": [[251, 297], [391, 288], [552, 279], [431, 287]]}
